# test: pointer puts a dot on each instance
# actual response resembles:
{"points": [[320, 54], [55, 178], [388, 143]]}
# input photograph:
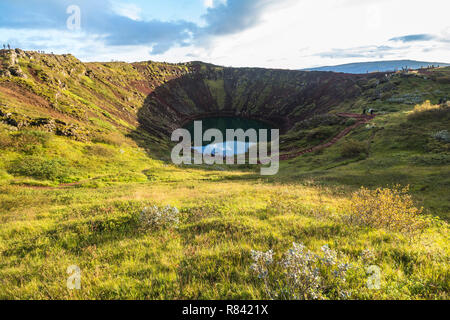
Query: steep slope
{"points": [[94, 96], [93, 106], [160, 96], [279, 97]]}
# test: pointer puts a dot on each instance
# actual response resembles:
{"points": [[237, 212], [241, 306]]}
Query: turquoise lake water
{"points": [[227, 148]]}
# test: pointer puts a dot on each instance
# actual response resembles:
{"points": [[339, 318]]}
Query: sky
{"points": [[287, 34]]}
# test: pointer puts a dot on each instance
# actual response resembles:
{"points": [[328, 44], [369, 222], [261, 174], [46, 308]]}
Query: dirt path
{"points": [[361, 119]]}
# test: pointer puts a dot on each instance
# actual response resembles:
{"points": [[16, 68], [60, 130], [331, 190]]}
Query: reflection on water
{"points": [[222, 124], [225, 149]]}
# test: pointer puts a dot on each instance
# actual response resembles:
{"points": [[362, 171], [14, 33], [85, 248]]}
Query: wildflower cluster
{"points": [[159, 217], [408, 98], [302, 274], [367, 256], [262, 262], [443, 135]]}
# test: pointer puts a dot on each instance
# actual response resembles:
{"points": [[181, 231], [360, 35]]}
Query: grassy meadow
{"points": [[48, 223], [208, 254], [83, 184]]}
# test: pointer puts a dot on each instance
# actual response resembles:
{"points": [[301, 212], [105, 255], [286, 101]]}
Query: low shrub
{"points": [[5, 141], [353, 149], [302, 274], [29, 141], [99, 150], [4, 176], [41, 168], [319, 120], [391, 209], [113, 139], [442, 136], [428, 111], [320, 134], [155, 217], [426, 106]]}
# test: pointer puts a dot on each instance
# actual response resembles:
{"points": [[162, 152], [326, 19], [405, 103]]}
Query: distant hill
{"points": [[381, 66]]}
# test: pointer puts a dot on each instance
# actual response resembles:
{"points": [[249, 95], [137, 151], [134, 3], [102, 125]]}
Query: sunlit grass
{"points": [[208, 255], [223, 212]]}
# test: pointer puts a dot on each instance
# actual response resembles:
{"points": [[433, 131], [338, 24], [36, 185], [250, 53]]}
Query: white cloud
{"points": [[290, 34], [128, 10], [213, 3], [300, 35], [208, 3]]}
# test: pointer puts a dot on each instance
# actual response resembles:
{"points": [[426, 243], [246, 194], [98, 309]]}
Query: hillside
{"points": [[85, 169], [379, 66]]}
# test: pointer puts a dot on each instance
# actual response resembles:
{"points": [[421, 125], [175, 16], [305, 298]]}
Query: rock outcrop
{"points": [[10, 63]]}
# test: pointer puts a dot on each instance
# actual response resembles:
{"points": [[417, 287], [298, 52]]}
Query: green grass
{"points": [[225, 214], [401, 150], [66, 201], [208, 255], [218, 91]]}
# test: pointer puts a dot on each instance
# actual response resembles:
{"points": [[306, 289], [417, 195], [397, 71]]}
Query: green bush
{"points": [[157, 217], [114, 139], [353, 149], [99, 150], [350, 122], [5, 140], [428, 111], [320, 134], [30, 141], [41, 168]]}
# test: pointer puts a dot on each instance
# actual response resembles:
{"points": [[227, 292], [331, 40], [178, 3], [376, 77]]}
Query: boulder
{"points": [[20, 53], [16, 71]]}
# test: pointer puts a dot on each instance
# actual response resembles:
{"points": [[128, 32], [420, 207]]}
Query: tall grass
{"points": [[42, 168], [353, 149], [25, 141]]}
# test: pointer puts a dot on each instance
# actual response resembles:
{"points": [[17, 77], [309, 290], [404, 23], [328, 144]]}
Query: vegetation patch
{"points": [[353, 149], [429, 111], [156, 218], [442, 135], [99, 150], [304, 275], [106, 126], [391, 209], [42, 168]]}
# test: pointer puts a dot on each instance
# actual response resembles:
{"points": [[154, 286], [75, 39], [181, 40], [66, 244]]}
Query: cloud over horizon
{"points": [[120, 25], [222, 31]]}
